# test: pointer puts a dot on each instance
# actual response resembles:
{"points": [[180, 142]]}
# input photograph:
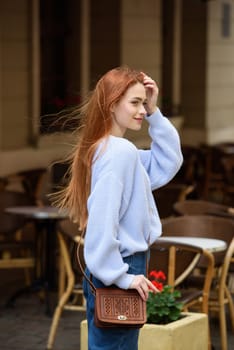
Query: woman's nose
{"points": [[143, 110]]}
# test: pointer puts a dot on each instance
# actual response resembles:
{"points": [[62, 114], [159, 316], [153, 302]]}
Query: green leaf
{"points": [[163, 307]]}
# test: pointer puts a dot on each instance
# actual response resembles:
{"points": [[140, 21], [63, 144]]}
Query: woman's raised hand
{"points": [[151, 94]]}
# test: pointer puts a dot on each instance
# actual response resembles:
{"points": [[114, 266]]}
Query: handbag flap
{"points": [[119, 306]]}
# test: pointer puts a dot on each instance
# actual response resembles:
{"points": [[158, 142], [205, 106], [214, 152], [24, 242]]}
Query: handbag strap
{"points": [[92, 286]]}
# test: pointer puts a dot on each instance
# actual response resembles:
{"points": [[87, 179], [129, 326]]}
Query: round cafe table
{"points": [[210, 244], [45, 219]]}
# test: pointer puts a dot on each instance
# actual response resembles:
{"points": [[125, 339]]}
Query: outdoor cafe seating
{"points": [[70, 295], [206, 226]]}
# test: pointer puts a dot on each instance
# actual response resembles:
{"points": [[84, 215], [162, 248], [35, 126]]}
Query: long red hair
{"points": [[96, 123]]}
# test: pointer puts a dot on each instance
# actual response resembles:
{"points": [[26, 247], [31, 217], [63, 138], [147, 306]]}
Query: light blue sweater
{"points": [[122, 215]]}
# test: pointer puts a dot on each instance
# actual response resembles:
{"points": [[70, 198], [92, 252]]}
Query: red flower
{"points": [[159, 275], [158, 285]]}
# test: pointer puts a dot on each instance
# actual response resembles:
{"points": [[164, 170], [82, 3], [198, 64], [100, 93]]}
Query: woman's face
{"points": [[129, 112]]}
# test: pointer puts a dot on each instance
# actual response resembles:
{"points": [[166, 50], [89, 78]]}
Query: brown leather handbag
{"points": [[116, 307]]}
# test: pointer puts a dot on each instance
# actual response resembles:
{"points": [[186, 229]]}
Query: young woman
{"points": [[110, 189]]}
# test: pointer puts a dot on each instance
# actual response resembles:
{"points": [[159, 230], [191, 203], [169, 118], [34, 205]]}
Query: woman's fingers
{"points": [[151, 93], [143, 285]]}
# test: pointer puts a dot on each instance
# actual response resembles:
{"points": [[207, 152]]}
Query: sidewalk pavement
{"points": [[26, 327]]}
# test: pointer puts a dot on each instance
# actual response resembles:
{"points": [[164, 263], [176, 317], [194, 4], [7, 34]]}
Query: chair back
{"points": [[32, 181], [71, 234], [9, 222], [226, 264], [205, 226], [16, 251], [189, 173], [166, 196], [228, 164], [59, 174], [69, 228], [176, 260], [213, 179], [198, 207]]}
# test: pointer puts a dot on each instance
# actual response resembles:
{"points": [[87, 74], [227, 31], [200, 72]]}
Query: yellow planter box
{"points": [[190, 332]]}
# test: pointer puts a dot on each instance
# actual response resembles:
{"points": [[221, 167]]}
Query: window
{"points": [[60, 61]]}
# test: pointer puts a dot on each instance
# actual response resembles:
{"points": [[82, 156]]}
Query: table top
{"points": [[229, 213], [210, 244], [36, 212]]}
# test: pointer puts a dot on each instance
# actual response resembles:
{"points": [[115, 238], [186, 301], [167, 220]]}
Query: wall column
{"points": [[85, 47], [35, 74]]}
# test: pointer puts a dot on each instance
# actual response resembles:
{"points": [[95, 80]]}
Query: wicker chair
{"points": [[217, 228], [228, 165], [29, 181], [70, 293], [16, 250], [214, 183], [178, 261], [166, 196], [199, 207]]}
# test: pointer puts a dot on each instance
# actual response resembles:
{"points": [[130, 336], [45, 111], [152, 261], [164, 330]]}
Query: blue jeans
{"points": [[112, 338]]}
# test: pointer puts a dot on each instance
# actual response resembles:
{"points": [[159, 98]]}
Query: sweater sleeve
{"points": [[106, 204], [164, 158]]}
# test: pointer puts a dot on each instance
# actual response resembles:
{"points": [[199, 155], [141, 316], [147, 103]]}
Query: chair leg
{"points": [[56, 317], [231, 305], [57, 314], [209, 335], [223, 327], [66, 273], [54, 327], [62, 279]]}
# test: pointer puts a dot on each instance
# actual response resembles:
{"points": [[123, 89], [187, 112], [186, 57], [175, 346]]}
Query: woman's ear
{"points": [[112, 108]]}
